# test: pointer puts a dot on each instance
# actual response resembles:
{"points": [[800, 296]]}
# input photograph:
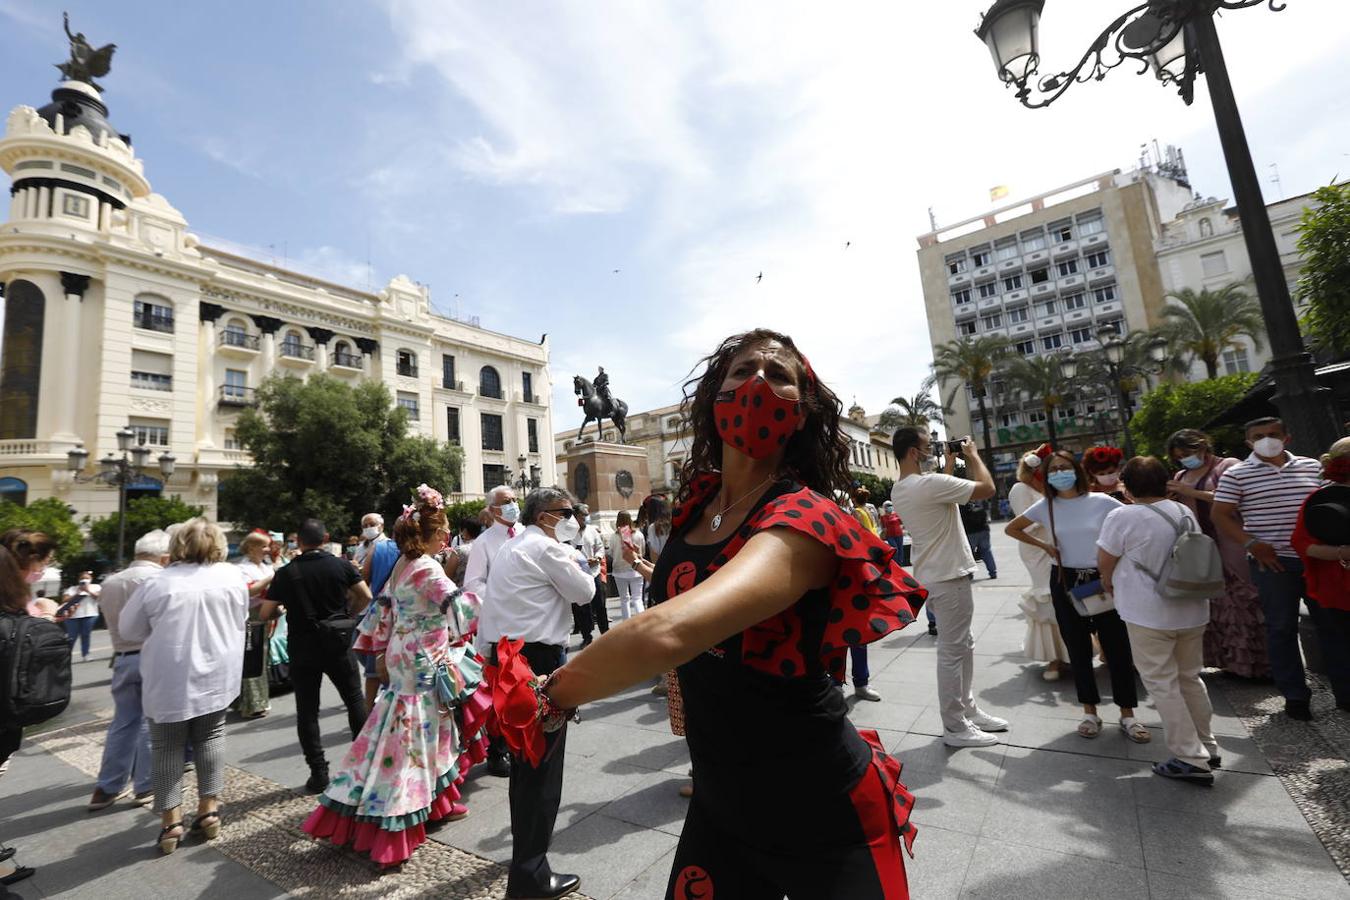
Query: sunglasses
{"points": [[566, 512]]}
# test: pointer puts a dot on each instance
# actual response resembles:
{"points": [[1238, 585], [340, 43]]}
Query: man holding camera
{"points": [[929, 505]]}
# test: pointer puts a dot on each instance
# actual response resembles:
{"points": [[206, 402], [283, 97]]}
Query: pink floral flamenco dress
{"points": [[402, 771]]}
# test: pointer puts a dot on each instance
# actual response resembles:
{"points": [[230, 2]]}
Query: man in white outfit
{"points": [[505, 516], [928, 505]]}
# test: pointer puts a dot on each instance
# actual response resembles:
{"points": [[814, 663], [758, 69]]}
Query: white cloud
{"points": [[741, 140]]}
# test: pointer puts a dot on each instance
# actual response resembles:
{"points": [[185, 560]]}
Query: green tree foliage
{"points": [[879, 489], [468, 509], [327, 449], [1206, 323], [916, 411], [1171, 407], [50, 516], [1324, 241], [971, 361], [143, 514]]}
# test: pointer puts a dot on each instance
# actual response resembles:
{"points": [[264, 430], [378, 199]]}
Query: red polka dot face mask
{"points": [[755, 420]]}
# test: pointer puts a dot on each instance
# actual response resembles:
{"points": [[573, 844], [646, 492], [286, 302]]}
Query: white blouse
{"points": [[190, 623]]}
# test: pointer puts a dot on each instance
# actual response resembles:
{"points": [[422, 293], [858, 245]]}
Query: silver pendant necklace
{"points": [[717, 519]]}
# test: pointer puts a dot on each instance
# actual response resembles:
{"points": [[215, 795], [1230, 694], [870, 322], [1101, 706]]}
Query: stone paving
{"points": [[1044, 815]]}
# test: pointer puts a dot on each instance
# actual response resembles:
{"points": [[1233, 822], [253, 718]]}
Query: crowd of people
{"points": [[748, 599]]}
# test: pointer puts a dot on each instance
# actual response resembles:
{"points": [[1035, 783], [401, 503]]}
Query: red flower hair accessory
{"points": [[1033, 459], [1099, 459]]}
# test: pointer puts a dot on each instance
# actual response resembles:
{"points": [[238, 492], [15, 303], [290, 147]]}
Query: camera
{"points": [[954, 447]]}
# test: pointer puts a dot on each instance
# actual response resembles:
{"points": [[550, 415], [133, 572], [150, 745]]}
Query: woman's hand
{"points": [[1050, 550]]}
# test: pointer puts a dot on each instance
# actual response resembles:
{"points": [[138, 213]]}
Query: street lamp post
{"points": [[528, 479], [1177, 39], [119, 472], [1113, 356]]}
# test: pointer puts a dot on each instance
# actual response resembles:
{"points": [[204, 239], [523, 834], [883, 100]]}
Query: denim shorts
{"points": [[368, 664]]}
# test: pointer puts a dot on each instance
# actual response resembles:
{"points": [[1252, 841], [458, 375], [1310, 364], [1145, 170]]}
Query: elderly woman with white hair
{"points": [[256, 567], [190, 622]]}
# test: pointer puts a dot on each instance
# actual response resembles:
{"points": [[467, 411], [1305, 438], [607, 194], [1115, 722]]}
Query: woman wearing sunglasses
{"points": [[760, 591]]}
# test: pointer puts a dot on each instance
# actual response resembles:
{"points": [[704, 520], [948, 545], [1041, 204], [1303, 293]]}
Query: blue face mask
{"points": [[1193, 462], [1062, 480]]}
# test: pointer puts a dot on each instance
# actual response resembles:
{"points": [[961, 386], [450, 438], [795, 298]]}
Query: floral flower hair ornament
{"points": [[1033, 459], [425, 496], [1099, 459]]}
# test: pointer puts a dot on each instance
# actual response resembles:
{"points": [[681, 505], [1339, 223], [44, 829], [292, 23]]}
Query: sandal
{"points": [[1135, 731], [169, 842], [1090, 727], [207, 825]]}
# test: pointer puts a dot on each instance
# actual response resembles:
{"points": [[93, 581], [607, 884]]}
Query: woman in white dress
{"points": [[1043, 642]]}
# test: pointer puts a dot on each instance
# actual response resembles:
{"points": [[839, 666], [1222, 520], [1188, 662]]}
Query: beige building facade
{"points": [[1203, 248], [116, 315], [1048, 273]]}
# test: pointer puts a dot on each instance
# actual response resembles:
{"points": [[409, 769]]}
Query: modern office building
{"points": [[1049, 273], [117, 316]]}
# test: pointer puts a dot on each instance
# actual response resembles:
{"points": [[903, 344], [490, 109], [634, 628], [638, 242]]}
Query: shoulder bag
{"points": [[337, 627], [1086, 593]]}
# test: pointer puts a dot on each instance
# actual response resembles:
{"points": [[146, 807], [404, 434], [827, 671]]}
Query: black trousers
{"points": [[536, 792], [313, 656], [10, 739], [587, 617], [1077, 633]]}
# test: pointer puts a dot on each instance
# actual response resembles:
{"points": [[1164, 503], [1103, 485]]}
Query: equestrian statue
{"points": [[598, 403]]}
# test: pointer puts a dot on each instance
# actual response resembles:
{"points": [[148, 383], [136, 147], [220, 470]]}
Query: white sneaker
{"points": [[971, 737], [985, 722]]}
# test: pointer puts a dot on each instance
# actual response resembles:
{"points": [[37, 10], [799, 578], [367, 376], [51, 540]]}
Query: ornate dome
{"points": [[77, 103]]}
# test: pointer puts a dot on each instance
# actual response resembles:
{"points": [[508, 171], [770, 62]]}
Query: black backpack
{"points": [[34, 670]]}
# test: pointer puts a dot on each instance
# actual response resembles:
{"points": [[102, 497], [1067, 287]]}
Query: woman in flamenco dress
{"points": [[401, 773], [762, 588]]}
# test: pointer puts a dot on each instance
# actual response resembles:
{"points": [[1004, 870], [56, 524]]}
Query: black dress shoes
{"points": [[556, 886], [499, 766]]}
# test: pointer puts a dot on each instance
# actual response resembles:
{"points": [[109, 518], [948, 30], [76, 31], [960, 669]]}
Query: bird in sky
{"points": [[847, 244], [759, 278], [616, 271]]}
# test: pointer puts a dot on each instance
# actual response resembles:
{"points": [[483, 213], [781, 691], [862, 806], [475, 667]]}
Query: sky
{"points": [[618, 175]]}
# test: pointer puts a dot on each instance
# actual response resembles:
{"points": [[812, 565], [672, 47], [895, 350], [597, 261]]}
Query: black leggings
{"points": [[1077, 633]]}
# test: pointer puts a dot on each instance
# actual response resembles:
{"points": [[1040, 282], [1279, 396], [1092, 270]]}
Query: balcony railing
{"points": [[153, 321], [237, 339], [235, 395], [529, 397], [347, 360], [406, 370], [292, 350], [452, 385], [495, 394]]}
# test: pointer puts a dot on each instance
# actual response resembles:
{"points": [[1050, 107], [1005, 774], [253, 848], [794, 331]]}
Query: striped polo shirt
{"points": [[1269, 497]]}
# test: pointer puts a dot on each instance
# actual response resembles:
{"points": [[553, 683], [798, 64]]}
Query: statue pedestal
{"points": [[608, 478]]}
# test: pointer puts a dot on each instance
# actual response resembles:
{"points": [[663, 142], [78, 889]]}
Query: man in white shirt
{"points": [[929, 506], [80, 612], [587, 616], [505, 515], [535, 580], [372, 533], [126, 750]]}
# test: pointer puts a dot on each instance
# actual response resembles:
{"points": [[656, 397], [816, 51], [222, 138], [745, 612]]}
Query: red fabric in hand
{"points": [[515, 701]]}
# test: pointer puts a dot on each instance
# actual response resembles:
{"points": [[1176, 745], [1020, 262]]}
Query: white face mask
{"points": [[928, 465], [510, 513], [566, 529], [1107, 480], [1269, 447], [370, 533]]}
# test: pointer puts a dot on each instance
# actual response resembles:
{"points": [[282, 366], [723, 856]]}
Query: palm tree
{"points": [[1207, 323], [1037, 377], [971, 361], [916, 411]]}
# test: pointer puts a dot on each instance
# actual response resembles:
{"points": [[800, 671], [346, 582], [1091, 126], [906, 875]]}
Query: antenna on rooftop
{"points": [[1275, 178], [932, 219]]}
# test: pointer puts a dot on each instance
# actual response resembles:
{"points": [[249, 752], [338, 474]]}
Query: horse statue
{"points": [[599, 405]]}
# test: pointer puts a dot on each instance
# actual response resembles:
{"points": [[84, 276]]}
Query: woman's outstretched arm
{"points": [[770, 573]]}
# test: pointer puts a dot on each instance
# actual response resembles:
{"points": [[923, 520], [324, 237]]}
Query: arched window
{"points": [[14, 490], [406, 363], [235, 334], [489, 383], [343, 355], [1206, 228], [291, 344], [25, 316]]}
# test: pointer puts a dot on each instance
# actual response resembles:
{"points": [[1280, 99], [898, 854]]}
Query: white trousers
{"points": [[954, 606], [630, 593]]}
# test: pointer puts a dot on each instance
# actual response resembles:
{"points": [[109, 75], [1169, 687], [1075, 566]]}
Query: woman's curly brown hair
{"points": [[817, 455]]}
